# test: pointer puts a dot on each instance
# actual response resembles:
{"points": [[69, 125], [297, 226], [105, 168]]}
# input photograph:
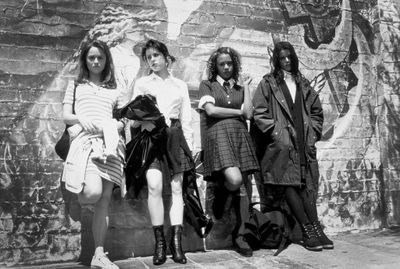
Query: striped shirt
{"points": [[97, 103]]}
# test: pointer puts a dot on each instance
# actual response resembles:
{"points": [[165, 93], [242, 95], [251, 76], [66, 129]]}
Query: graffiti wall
{"points": [[349, 50]]}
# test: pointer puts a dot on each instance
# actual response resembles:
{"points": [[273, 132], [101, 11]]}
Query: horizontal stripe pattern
{"points": [[97, 103]]}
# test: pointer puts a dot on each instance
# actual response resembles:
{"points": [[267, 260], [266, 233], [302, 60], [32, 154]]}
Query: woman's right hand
{"points": [[88, 125], [245, 79]]}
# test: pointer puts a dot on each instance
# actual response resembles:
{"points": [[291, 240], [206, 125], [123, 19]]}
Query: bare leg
{"points": [[154, 201], [176, 211], [97, 193], [89, 197], [233, 178], [100, 217]]}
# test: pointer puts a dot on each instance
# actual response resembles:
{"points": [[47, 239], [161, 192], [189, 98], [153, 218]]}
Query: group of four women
{"points": [[229, 152]]}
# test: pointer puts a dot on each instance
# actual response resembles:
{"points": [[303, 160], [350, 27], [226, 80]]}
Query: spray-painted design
{"points": [[338, 49]]}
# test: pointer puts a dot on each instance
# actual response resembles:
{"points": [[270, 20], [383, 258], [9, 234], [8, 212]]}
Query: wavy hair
{"points": [[107, 75], [294, 60], [212, 70]]}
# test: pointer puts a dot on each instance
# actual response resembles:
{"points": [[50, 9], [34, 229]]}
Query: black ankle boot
{"points": [[160, 247], [176, 244], [310, 238], [325, 241]]}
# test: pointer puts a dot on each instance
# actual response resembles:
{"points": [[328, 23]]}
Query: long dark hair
{"points": [[212, 70], [107, 76], [294, 60], [161, 47]]}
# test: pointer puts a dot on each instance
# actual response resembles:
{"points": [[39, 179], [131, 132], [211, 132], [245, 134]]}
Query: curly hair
{"points": [[212, 70], [276, 65], [107, 75]]}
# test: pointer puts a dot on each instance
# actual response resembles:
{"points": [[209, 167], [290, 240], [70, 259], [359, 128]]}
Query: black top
{"points": [[297, 115]]}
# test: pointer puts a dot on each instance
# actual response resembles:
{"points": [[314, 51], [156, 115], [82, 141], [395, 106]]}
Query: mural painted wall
{"points": [[349, 50]]}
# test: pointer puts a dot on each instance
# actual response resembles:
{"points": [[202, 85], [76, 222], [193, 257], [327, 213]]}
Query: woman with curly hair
{"points": [[229, 154]]}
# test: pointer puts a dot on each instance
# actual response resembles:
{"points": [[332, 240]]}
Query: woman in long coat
{"points": [[289, 117]]}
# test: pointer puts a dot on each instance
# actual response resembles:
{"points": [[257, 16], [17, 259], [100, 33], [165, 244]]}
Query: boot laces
{"points": [[318, 229], [310, 231]]}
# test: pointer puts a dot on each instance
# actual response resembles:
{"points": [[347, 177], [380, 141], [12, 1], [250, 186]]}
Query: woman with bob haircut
{"points": [[172, 97]]}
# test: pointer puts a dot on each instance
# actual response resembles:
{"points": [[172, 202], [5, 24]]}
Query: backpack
{"points": [[270, 229]]}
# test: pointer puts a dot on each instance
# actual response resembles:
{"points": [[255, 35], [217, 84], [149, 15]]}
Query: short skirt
{"points": [[177, 154], [228, 144]]}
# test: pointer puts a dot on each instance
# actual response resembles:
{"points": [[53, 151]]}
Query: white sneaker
{"points": [[101, 261]]}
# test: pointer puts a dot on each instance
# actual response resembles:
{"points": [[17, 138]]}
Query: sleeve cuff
{"points": [[204, 100]]}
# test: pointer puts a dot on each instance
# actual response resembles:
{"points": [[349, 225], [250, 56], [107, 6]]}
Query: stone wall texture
{"points": [[350, 49]]}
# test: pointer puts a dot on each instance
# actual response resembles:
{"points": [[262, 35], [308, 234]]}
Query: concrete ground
{"points": [[378, 249]]}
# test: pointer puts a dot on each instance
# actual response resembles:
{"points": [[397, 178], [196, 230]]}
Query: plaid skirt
{"points": [[228, 144]]}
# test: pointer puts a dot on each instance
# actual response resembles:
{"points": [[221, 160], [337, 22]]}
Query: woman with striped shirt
{"points": [[88, 107], [229, 154]]}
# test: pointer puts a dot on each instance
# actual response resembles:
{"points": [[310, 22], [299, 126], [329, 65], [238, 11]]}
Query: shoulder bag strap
{"points": [[73, 100]]}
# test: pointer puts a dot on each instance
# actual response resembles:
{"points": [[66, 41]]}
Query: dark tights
{"points": [[302, 204]]}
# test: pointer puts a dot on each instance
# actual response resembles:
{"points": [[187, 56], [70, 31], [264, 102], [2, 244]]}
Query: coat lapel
{"points": [[280, 98]]}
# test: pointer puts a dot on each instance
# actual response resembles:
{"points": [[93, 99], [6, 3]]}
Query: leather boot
{"points": [[160, 247], [176, 244], [310, 238], [325, 241]]}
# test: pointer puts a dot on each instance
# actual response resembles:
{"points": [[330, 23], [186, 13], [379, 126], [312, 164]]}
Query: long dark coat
{"points": [[275, 135]]}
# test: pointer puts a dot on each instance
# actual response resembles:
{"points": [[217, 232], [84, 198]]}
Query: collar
{"points": [[155, 76], [287, 75], [221, 81]]}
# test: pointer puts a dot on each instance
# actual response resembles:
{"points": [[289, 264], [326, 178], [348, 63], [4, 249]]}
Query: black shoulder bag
{"points": [[270, 229], [62, 146]]}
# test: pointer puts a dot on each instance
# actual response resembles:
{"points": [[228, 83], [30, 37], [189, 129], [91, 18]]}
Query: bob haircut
{"points": [[212, 70], [107, 76], [159, 46], [277, 69]]}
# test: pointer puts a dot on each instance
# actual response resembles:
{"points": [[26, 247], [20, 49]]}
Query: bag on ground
{"points": [[270, 229]]}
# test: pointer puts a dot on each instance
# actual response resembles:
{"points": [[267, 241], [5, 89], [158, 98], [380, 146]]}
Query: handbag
{"points": [[193, 210], [270, 229], [63, 144]]}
